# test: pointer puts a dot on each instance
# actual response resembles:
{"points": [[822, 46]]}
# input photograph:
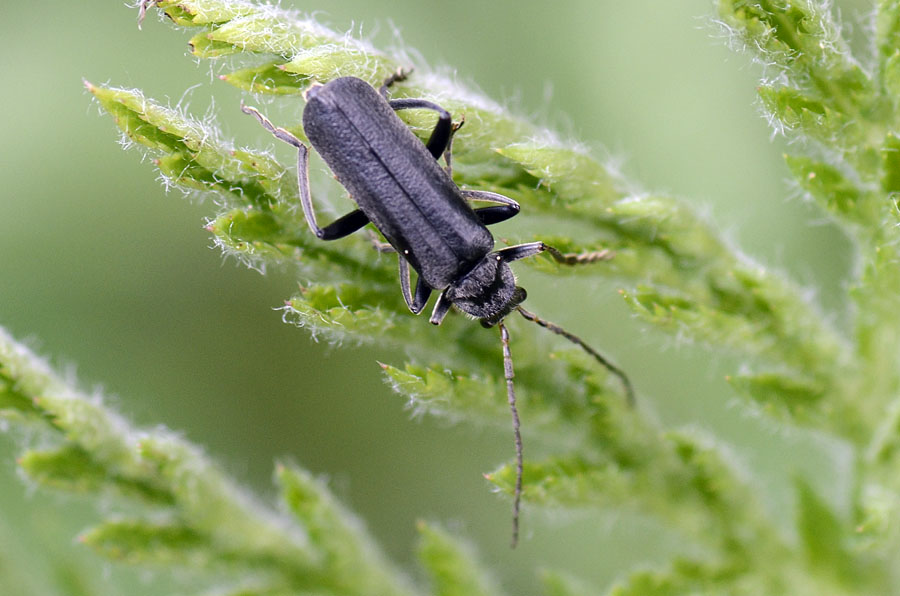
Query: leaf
{"points": [[833, 191], [801, 38], [183, 510], [783, 396], [344, 311], [451, 564], [442, 392], [683, 577], [750, 312], [797, 111], [824, 538], [685, 480], [202, 12], [202, 46], [12, 400], [567, 173], [261, 29], [349, 552], [258, 591], [269, 78], [192, 154], [71, 468], [820, 529], [706, 476], [887, 29], [560, 584], [326, 62], [890, 181], [891, 76], [141, 542], [206, 497], [572, 481], [829, 97]]}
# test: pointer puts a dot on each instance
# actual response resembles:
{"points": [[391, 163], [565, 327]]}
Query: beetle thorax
{"points": [[486, 291]]}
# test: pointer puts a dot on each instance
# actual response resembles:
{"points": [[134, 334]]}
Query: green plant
{"points": [[679, 274]]}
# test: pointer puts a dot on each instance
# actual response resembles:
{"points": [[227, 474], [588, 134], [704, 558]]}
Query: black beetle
{"points": [[399, 187]]}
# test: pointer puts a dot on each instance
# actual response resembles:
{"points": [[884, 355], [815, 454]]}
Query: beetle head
{"points": [[487, 292]]}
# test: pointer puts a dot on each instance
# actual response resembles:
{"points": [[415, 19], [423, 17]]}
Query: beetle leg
{"points": [[439, 141], [423, 292], [339, 228], [280, 133], [143, 6], [343, 226], [441, 308], [447, 152], [492, 215], [404, 282], [398, 75], [523, 251], [380, 246]]}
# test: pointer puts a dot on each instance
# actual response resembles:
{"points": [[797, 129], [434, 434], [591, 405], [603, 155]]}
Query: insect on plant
{"points": [[400, 189]]}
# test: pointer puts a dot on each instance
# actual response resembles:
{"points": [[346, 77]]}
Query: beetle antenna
{"points": [[629, 390], [511, 397]]}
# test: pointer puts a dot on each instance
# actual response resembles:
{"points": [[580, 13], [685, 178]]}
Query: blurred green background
{"points": [[114, 279]]}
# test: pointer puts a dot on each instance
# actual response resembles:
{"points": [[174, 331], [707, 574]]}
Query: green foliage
{"points": [[452, 565], [558, 584], [177, 508], [600, 454]]}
